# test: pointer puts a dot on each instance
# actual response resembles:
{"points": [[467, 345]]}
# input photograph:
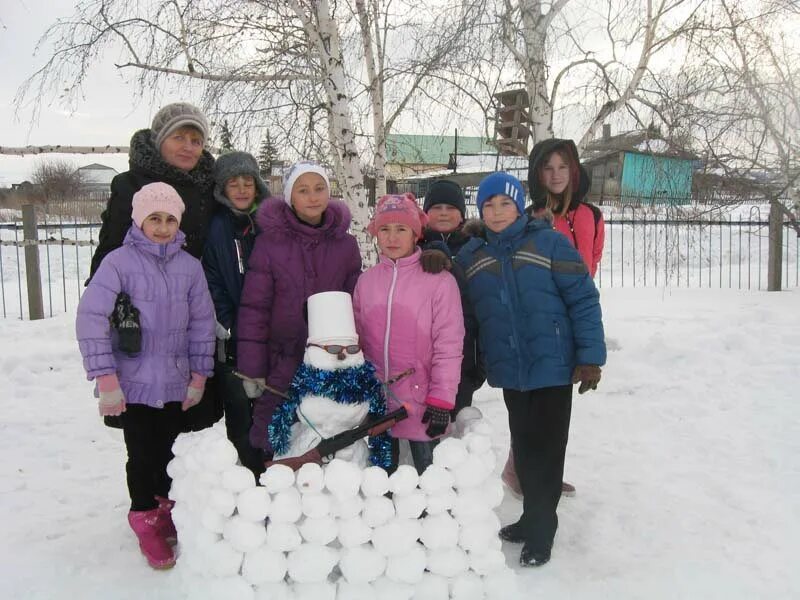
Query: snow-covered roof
{"points": [[480, 163]]}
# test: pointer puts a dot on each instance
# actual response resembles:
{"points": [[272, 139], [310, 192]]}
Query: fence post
{"points": [[775, 247], [32, 274]]}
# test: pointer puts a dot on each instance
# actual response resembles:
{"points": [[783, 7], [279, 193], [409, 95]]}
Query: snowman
{"points": [[334, 389]]}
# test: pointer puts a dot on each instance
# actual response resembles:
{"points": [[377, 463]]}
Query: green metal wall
{"points": [[648, 179]]}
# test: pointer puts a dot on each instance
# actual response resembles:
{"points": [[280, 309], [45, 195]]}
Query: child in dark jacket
{"points": [[445, 207], [238, 192], [149, 379], [537, 313]]}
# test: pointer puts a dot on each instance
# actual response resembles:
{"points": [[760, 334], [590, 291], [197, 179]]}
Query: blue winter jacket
{"points": [[535, 306], [224, 263]]}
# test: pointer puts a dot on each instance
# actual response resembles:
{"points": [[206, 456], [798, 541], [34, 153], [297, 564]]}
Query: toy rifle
{"points": [[330, 446]]}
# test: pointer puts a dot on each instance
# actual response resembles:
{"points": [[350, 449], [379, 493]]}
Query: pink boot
{"points": [[145, 524], [509, 476], [165, 524]]}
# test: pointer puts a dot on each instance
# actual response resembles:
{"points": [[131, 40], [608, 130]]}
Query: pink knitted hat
{"points": [[156, 197], [398, 209]]}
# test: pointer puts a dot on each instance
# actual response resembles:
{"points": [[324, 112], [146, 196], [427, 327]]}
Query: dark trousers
{"points": [[421, 454], [238, 416], [206, 412], [466, 388], [539, 424], [149, 435]]}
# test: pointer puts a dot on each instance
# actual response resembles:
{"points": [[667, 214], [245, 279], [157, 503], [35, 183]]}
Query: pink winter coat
{"points": [[587, 236], [409, 320]]}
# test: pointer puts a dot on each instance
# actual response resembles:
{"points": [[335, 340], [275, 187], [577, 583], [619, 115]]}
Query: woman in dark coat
{"points": [[171, 151]]}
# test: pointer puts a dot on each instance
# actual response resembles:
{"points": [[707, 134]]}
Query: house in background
{"points": [[409, 155], [638, 167], [97, 178]]}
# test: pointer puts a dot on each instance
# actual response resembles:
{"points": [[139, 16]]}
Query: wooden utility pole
{"points": [[33, 276]]}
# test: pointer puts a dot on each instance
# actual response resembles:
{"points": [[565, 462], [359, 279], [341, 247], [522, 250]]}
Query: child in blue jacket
{"points": [[536, 310], [238, 191]]}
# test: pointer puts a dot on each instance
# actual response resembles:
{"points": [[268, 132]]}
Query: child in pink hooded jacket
{"points": [[411, 328]]}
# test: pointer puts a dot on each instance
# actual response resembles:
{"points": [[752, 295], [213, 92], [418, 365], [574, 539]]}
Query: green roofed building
{"points": [[408, 155]]}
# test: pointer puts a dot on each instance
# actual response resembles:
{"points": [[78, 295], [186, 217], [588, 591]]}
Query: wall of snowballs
{"points": [[335, 532]]}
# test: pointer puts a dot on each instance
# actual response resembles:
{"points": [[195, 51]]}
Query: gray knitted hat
{"points": [[234, 164], [176, 115]]}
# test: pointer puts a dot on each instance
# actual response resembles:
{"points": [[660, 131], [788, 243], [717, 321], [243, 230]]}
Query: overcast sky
{"points": [[108, 114]]}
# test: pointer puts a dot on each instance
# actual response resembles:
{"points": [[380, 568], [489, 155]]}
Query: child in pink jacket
{"points": [[411, 328]]}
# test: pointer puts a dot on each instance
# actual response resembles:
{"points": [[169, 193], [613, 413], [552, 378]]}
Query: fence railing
{"points": [[641, 250]]}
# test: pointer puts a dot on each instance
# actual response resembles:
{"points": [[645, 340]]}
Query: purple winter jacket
{"points": [[176, 316], [290, 262]]}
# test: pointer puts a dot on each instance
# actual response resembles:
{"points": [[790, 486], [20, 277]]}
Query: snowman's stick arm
{"points": [[330, 446]]}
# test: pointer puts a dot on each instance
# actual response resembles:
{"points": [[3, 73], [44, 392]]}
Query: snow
{"points": [[685, 460]]}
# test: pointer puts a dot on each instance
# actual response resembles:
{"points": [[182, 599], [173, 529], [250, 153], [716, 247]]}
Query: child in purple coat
{"points": [[158, 293]]}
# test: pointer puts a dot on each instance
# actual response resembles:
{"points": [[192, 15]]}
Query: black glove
{"points": [[589, 377], [437, 419], [434, 261]]}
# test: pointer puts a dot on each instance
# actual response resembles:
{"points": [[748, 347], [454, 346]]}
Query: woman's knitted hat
{"points": [[301, 168], [156, 197], [235, 164], [174, 116]]}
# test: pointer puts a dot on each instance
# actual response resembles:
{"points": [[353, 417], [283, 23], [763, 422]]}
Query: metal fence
{"points": [[641, 250]]}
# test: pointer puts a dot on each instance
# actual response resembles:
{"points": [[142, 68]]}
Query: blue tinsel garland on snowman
{"points": [[334, 389]]}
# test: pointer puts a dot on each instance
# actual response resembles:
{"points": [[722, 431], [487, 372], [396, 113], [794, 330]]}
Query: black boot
{"points": [[533, 558], [512, 533]]}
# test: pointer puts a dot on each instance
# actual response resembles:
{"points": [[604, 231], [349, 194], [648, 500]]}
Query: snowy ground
{"points": [[686, 460]]}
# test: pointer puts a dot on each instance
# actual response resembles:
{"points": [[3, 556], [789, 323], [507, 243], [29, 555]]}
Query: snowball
{"points": [[222, 501], [176, 468], [478, 444], [448, 562], [346, 508], [467, 586], [199, 538], [354, 591], [441, 502], [403, 480], [320, 590], [316, 505], [386, 589], [283, 536], [487, 562], [179, 490], [212, 520], [342, 478], [436, 479], [274, 591], [410, 506], [466, 418], [397, 536], [480, 427], [320, 531], [450, 453], [237, 479], [493, 492], [244, 535], [377, 510], [354, 532], [286, 506], [407, 567], [311, 563], [470, 513], [471, 473], [432, 587], [254, 504], [362, 564], [183, 443], [375, 482], [223, 559], [478, 536], [264, 565], [277, 478], [310, 478], [439, 531], [219, 454], [470, 502]]}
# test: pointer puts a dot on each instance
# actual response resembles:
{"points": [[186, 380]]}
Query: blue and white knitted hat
{"points": [[501, 183]]}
